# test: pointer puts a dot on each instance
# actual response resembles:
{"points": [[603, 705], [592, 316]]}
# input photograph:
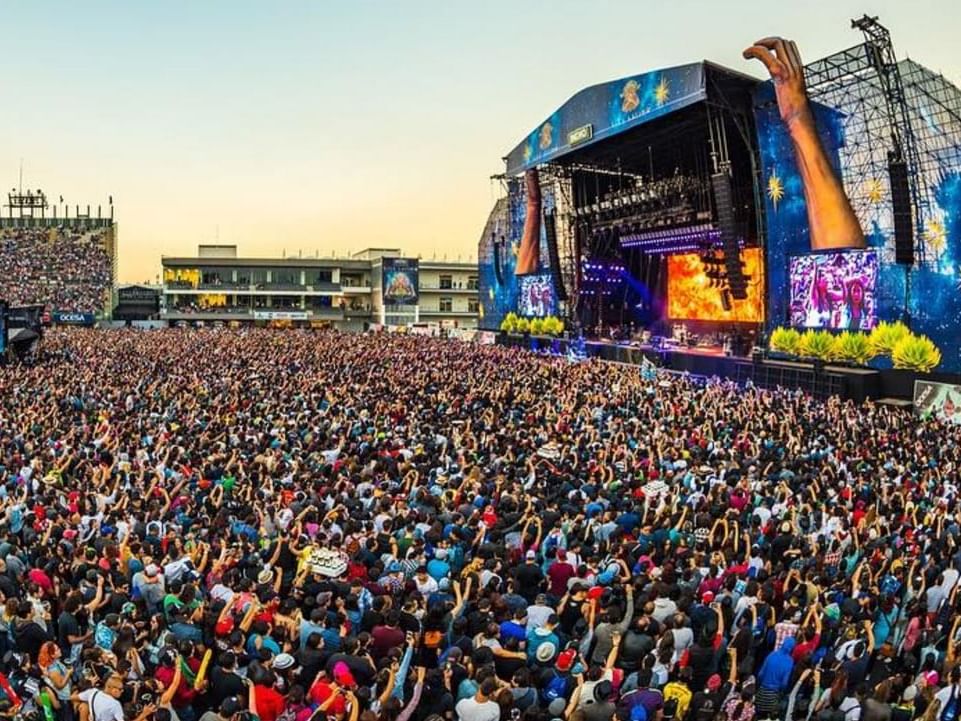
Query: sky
{"points": [[295, 126]]}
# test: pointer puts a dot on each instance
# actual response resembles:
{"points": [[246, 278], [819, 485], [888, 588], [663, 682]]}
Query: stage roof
{"points": [[602, 111]]}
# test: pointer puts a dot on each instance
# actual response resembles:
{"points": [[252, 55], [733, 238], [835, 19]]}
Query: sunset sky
{"points": [[332, 126]]}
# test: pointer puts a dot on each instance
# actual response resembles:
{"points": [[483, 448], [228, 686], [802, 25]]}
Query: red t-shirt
{"points": [[270, 703], [321, 691], [803, 649], [185, 694], [559, 574]]}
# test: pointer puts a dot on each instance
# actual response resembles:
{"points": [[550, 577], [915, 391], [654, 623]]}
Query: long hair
{"points": [[47, 655]]}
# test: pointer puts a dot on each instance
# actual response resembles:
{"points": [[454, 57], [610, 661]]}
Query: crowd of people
{"points": [[64, 268], [286, 526]]}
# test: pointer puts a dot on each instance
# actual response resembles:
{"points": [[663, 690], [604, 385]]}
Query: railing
{"points": [[281, 286], [224, 285], [71, 223], [455, 289]]}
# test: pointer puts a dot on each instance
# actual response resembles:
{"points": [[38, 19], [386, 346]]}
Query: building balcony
{"points": [[295, 287], [245, 313], [243, 289], [223, 287], [455, 312], [439, 289]]}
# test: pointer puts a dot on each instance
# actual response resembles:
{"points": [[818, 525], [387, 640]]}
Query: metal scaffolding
{"points": [[889, 109]]}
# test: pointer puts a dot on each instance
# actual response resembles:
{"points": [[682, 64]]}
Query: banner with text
{"points": [[940, 400]]}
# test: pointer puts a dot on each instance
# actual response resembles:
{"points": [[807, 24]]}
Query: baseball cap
{"points": [[531, 556], [230, 706], [151, 570], [342, 674], [714, 682], [707, 597]]}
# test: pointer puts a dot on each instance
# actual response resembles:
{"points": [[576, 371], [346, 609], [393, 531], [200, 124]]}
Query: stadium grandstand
{"points": [[60, 257]]}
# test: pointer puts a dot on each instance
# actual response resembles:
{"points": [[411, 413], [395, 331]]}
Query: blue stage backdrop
{"points": [[934, 296], [499, 287], [603, 110]]}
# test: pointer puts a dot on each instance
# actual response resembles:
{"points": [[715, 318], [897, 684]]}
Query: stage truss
{"points": [[891, 109]]}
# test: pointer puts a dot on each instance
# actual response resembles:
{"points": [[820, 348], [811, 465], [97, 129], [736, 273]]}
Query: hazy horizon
{"points": [[322, 127]]}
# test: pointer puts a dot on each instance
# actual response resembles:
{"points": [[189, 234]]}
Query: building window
{"points": [[319, 277], [472, 282], [446, 282], [446, 304], [473, 305], [286, 276]]}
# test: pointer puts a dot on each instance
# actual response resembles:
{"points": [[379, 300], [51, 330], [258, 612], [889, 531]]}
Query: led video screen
{"points": [[692, 295], [536, 298], [836, 290]]}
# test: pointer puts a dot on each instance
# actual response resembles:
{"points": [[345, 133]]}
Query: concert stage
{"points": [[857, 384]]}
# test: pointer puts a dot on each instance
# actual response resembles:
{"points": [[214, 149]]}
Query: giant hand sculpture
{"points": [[830, 216], [529, 251]]}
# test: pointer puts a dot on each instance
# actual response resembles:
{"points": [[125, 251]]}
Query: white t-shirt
{"points": [[102, 706], [944, 695], [537, 615], [469, 709], [851, 708]]}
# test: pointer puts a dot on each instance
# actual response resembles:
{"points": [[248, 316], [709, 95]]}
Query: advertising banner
{"points": [[280, 315], [468, 335], [67, 318], [400, 281], [940, 400]]}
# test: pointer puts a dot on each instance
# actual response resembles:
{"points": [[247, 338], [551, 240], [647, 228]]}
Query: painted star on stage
{"points": [[775, 189], [662, 92]]}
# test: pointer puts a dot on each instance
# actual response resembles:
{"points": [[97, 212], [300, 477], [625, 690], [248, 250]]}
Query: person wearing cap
{"points": [[539, 612], [543, 642], [529, 578], [149, 585]]}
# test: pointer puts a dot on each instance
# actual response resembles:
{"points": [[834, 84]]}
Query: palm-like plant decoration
{"points": [[853, 347], [886, 336], [817, 344], [785, 340], [916, 353]]}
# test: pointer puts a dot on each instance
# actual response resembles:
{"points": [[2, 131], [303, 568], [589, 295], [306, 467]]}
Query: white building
{"points": [[346, 293]]}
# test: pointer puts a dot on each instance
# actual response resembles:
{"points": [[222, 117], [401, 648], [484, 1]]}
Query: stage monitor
{"points": [[536, 296], [692, 294], [836, 290]]}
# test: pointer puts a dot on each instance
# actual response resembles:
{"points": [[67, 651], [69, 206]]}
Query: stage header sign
{"points": [[400, 281], [601, 111]]}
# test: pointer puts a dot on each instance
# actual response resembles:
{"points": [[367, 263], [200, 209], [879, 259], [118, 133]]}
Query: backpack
{"points": [[951, 708], [555, 688], [707, 710], [681, 695]]}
